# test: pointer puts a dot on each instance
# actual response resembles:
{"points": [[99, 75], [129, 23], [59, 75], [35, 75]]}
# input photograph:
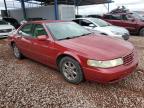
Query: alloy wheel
{"points": [[69, 70]]}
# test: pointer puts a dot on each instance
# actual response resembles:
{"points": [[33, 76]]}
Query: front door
{"points": [[43, 50]]}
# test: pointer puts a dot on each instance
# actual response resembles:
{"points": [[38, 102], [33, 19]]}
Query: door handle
{"points": [[18, 37]]}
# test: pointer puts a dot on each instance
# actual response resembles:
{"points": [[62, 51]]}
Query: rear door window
{"points": [[116, 17], [26, 30], [107, 16]]}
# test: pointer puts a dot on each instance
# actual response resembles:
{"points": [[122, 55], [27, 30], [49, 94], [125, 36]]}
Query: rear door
{"points": [[24, 39]]}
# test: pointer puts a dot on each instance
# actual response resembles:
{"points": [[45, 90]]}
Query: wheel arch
{"points": [[11, 43], [140, 29], [67, 54], [71, 55], [104, 34]]}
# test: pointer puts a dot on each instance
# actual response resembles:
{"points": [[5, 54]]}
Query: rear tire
{"points": [[71, 70], [17, 52], [142, 32]]}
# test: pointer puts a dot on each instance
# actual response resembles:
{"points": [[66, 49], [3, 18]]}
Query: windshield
{"points": [[3, 22], [66, 30], [137, 16], [100, 22]]}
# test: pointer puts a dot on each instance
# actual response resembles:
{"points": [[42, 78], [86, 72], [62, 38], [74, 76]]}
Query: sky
{"points": [[133, 5], [94, 9], [13, 4]]}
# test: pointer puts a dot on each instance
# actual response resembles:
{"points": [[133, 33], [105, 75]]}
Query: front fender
{"points": [[71, 54]]}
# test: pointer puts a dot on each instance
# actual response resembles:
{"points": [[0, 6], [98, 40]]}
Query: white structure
{"points": [[66, 12]]}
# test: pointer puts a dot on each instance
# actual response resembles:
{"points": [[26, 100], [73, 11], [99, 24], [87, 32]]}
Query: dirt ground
{"points": [[28, 84]]}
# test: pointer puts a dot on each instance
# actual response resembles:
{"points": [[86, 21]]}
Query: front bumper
{"points": [[125, 36], [111, 74], [3, 35]]}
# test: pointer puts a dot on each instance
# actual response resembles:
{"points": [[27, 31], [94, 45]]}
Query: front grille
{"points": [[5, 30], [128, 58]]}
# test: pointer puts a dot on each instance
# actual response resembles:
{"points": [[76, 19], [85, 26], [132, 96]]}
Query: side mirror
{"points": [[92, 25], [42, 38]]}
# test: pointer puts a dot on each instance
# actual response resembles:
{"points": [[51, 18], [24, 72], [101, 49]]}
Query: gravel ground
{"points": [[28, 84]]}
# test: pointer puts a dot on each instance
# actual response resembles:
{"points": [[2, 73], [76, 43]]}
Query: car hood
{"points": [[116, 29], [98, 47], [6, 27]]}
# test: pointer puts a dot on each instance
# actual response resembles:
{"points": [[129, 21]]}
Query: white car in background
{"points": [[5, 28], [100, 26]]}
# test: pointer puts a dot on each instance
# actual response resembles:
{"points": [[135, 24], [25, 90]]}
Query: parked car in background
{"points": [[141, 13], [12, 21], [5, 28], [132, 21], [103, 27], [35, 19], [94, 16], [79, 16], [75, 51], [31, 19]]}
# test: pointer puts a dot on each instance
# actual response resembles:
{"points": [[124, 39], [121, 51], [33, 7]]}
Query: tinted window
{"points": [[26, 30], [63, 30], [94, 16], [107, 16], [116, 17], [124, 17], [12, 21], [85, 23], [137, 16], [3, 22], [39, 30], [76, 21], [127, 17]]}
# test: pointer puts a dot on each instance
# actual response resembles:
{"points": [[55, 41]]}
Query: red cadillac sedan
{"points": [[77, 53]]}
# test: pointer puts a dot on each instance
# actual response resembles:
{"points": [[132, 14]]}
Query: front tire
{"points": [[142, 32], [71, 70], [17, 52]]}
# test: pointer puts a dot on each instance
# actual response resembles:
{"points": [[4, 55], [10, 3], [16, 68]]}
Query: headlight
{"points": [[116, 33], [105, 64]]}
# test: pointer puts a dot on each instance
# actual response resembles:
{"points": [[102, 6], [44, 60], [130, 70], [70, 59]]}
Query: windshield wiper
{"points": [[74, 36], [66, 38], [84, 34]]}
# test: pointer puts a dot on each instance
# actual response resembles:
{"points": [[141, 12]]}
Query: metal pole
{"points": [[108, 7], [6, 8], [23, 8], [56, 9], [78, 3], [77, 10], [76, 6]]}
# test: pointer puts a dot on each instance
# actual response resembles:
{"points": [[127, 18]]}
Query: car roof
{"points": [[88, 18], [119, 13], [47, 21]]}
